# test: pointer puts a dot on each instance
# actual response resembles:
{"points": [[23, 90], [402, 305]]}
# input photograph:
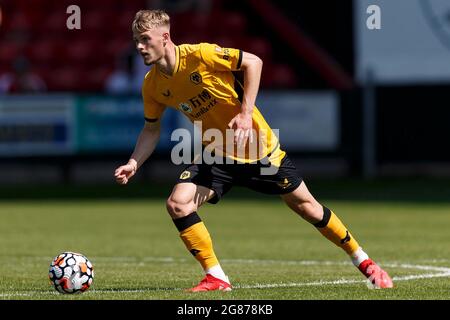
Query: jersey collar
{"points": [[176, 67], [177, 60]]}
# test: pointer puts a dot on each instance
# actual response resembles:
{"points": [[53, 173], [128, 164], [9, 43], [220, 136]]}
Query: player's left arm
{"points": [[251, 65]]}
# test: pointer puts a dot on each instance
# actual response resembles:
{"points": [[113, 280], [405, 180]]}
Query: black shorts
{"points": [[222, 177]]}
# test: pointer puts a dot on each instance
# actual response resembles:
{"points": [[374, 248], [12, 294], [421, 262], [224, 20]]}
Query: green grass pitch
{"points": [[267, 251]]}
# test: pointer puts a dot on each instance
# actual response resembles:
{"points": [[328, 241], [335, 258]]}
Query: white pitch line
{"points": [[342, 281], [416, 266], [131, 259]]}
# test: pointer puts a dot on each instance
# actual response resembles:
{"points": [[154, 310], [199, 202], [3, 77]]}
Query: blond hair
{"points": [[145, 20]]}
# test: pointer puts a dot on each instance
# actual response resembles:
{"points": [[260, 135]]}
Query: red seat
{"points": [[65, 79], [258, 46], [9, 50], [17, 21], [93, 21], [62, 5], [76, 78], [195, 27], [123, 22], [45, 51], [81, 50], [97, 77], [117, 46], [107, 4], [55, 22], [134, 5], [98, 21], [228, 23], [278, 76]]}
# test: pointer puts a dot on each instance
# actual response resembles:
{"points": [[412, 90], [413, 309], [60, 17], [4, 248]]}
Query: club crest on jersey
{"points": [[195, 77], [185, 175], [185, 107]]}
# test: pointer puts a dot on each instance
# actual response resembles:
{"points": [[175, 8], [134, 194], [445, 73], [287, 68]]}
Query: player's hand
{"points": [[242, 125], [125, 172]]}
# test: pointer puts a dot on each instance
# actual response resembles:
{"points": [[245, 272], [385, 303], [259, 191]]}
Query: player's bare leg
{"points": [[182, 206], [303, 203], [187, 198]]}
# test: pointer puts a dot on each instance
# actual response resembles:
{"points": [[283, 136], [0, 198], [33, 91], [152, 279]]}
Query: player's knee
{"points": [[178, 209], [310, 210]]}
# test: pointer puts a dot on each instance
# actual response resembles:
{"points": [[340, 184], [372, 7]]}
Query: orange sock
{"points": [[196, 237], [334, 230]]}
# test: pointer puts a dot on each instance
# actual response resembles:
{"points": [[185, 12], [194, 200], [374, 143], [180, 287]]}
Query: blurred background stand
{"points": [[350, 102]]}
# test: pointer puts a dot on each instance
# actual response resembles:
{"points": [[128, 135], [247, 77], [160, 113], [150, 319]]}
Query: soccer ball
{"points": [[71, 272]]}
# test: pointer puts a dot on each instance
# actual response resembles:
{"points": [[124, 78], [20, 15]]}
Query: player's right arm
{"points": [[145, 145], [147, 140]]}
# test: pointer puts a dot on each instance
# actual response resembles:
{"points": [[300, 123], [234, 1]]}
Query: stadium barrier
{"points": [[322, 131]]}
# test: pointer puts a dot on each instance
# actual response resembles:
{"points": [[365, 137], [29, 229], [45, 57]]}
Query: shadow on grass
{"points": [[382, 190]]}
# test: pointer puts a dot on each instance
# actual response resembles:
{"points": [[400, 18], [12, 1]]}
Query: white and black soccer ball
{"points": [[71, 272]]}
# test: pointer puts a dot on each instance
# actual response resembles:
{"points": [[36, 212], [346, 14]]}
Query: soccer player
{"points": [[198, 79]]}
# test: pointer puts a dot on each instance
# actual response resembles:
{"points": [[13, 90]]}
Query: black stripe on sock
{"points": [[150, 120], [325, 219], [187, 221]]}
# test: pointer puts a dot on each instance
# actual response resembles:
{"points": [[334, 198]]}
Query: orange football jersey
{"points": [[204, 88]]}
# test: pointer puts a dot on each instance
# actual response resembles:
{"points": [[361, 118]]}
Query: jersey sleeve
{"points": [[153, 110], [221, 59]]}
